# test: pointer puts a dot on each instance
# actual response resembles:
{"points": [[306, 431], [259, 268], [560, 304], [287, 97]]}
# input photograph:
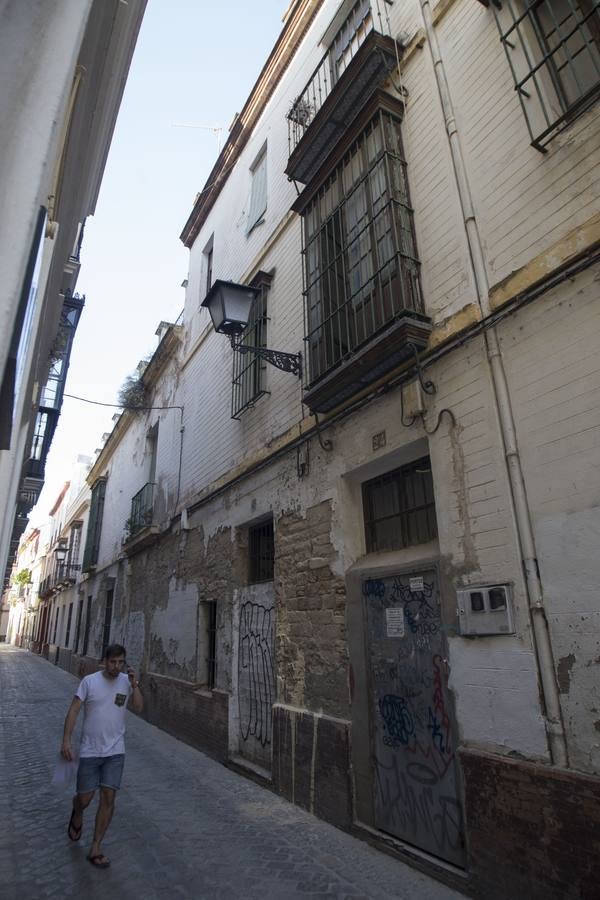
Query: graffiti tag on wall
{"points": [[256, 676]]}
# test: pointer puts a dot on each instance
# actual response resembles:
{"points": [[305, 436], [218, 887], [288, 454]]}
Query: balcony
{"points": [[64, 575], [358, 61], [140, 528]]}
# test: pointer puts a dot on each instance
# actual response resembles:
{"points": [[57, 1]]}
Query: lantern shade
{"points": [[229, 305], [61, 551]]}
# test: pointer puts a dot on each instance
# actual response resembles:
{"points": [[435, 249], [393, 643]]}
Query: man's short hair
{"points": [[114, 650]]}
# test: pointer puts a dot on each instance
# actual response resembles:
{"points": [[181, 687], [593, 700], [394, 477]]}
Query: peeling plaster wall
{"points": [[551, 349], [173, 641]]}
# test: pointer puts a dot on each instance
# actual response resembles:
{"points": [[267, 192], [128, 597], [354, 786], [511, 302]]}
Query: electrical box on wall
{"points": [[485, 610]]}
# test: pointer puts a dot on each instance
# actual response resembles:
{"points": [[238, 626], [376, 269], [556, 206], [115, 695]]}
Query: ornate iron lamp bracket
{"points": [[288, 362]]}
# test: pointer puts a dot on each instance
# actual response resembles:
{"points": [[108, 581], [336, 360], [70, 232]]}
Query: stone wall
{"points": [[312, 651]]}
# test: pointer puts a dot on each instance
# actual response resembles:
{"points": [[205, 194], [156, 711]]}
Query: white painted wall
{"points": [[524, 201]]}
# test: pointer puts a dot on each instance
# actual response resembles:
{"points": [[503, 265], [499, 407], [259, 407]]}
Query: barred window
{"points": [[261, 546], [360, 259], [249, 380], [553, 49], [399, 508]]}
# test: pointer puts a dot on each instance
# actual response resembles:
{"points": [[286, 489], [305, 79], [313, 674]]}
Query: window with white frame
{"points": [[258, 193]]}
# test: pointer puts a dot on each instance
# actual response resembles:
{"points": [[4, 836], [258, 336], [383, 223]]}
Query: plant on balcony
{"points": [[22, 578], [301, 112]]}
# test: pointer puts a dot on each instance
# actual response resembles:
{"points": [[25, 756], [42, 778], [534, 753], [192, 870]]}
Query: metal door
{"points": [[415, 786]]}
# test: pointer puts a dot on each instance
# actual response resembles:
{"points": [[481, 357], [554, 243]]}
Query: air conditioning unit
{"points": [[485, 609]]}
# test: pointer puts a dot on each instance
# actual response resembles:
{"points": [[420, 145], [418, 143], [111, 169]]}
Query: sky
{"points": [[194, 64]]}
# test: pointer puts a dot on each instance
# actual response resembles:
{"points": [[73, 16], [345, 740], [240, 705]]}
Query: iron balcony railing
{"points": [[63, 575], [364, 17], [142, 509]]}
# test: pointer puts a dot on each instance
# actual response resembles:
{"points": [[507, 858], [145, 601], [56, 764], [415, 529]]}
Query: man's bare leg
{"points": [[104, 814], [80, 802]]}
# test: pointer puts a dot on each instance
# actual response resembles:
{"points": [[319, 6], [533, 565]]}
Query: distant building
{"points": [[375, 586], [63, 66]]}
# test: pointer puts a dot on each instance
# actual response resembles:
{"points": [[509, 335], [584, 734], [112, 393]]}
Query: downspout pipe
{"points": [[543, 647]]}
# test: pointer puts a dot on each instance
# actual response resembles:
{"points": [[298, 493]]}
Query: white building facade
{"points": [[375, 585], [63, 65]]}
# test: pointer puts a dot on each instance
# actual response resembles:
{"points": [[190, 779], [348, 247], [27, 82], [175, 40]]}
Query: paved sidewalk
{"points": [[185, 827]]}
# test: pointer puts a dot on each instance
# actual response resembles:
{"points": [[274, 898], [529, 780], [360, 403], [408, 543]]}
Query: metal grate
{"points": [[68, 633], [88, 622], [142, 509], [360, 261], [248, 383], [211, 634], [553, 49], [78, 625], [108, 611], [363, 17], [262, 552], [399, 508]]}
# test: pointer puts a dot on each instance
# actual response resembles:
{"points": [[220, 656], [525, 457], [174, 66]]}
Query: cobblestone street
{"points": [[184, 826]]}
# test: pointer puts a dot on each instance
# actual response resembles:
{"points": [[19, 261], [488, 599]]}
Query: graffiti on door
{"points": [[415, 790], [256, 676]]}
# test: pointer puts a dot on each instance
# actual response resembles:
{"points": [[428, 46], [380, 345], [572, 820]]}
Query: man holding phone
{"points": [[104, 697]]}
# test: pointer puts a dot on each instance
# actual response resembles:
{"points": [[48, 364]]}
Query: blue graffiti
{"points": [[373, 588], [436, 735]]}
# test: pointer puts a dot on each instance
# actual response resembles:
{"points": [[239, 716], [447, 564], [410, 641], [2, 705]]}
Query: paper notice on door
{"points": [[394, 620], [416, 584]]}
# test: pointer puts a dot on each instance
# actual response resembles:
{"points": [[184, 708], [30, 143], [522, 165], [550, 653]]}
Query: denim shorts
{"points": [[99, 771]]}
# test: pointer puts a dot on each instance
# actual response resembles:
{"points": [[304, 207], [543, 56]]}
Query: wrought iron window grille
{"points": [[553, 51], [261, 550], [361, 269], [249, 378], [399, 508]]}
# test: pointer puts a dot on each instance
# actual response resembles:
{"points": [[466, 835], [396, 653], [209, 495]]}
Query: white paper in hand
{"points": [[65, 772]]}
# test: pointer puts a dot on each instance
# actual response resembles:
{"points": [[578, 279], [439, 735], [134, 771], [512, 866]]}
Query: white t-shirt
{"points": [[105, 701]]}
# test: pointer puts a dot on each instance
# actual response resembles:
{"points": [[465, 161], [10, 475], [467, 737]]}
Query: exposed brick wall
{"points": [[311, 763], [312, 650], [198, 718], [533, 831]]}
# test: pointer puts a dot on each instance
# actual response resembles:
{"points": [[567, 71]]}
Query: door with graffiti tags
{"points": [[416, 794], [256, 673]]}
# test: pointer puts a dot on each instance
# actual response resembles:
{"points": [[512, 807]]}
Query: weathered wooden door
{"points": [[416, 795]]}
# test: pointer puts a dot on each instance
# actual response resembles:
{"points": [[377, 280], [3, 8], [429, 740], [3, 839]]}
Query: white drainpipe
{"points": [[554, 724]]}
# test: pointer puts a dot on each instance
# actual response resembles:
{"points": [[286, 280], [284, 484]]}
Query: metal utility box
{"points": [[485, 609]]}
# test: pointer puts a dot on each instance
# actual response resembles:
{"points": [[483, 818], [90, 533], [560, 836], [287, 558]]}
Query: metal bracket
{"points": [[287, 362]]}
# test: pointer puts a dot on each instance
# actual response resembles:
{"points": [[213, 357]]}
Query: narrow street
{"points": [[184, 826]]}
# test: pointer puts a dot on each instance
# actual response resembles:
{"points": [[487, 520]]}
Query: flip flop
{"points": [[99, 860], [72, 830]]}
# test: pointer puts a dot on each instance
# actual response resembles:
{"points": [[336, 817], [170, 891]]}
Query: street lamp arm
{"points": [[288, 362]]}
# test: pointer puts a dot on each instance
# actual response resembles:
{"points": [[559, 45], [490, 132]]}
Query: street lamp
{"points": [[229, 306], [61, 551]]}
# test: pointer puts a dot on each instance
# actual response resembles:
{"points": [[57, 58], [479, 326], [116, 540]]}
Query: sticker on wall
{"points": [[416, 584], [394, 621]]}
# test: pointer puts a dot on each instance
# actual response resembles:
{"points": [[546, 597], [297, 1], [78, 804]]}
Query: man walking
{"points": [[104, 696]]}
